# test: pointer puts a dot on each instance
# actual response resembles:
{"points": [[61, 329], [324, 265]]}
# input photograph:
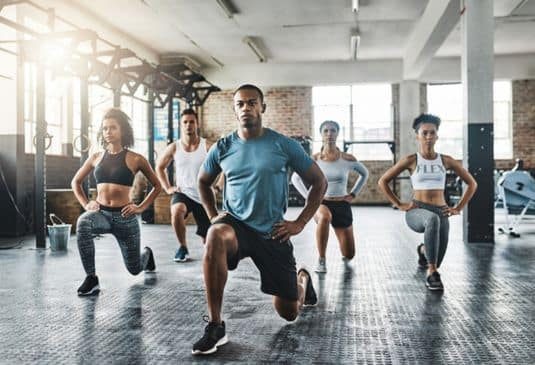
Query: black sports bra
{"points": [[112, 169]]}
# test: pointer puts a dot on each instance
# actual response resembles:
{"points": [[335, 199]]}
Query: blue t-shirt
{"points": [[256, 175]]}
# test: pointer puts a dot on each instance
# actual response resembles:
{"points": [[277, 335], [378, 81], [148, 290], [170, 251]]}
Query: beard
{"points": [[250, 122]]}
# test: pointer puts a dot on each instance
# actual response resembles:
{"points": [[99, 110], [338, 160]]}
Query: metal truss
{"points": [[87, 55]]}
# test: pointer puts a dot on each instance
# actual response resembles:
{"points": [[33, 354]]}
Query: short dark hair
{"points": [[330, 122], [189, 111], [127, 133], [250, 87], [425, 118]]}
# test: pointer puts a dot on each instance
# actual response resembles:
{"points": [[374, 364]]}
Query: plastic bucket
{"points": [[58, 234]]}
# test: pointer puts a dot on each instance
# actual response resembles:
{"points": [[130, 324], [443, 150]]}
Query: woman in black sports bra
{"points": [[113, 211]]}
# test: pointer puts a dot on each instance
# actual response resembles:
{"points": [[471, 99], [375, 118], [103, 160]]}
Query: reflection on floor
{"points": [[377, 311]]}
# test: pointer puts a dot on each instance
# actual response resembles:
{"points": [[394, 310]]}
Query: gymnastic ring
{"points": [[47, 136], [79, 138]]}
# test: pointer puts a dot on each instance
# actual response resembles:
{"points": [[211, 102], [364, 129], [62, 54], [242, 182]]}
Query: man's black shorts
{"points": [[203, 223], [273, 258], [341, 213]]}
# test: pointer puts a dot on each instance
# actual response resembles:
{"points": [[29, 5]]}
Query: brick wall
{"points": [[59, 170], [289, 111], [524, 121]]}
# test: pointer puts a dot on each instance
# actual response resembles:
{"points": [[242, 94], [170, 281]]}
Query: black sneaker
{"points": [[214, 336], [151, 265], [422, 260], [89, 286], [311, 298], [433, 282]]}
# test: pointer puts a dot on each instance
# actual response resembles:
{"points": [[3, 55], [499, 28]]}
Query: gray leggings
{"points": [[125, 230], [429, 220]]}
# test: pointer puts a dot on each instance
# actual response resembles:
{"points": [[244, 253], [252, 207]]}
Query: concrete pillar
{"points": [[477, 70], [409, 108]]}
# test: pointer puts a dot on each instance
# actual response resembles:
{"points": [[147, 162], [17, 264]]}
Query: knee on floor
{"points": [[290, 316]]}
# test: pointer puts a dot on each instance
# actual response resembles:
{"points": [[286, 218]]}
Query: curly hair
{"points": [[127, 133], [425, 118]]}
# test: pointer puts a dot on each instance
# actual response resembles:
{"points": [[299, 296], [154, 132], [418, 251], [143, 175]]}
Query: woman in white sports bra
{"points": [[428, 212], [335, 209]]}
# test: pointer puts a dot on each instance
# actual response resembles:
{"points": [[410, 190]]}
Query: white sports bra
{"points": [[428, 174]]}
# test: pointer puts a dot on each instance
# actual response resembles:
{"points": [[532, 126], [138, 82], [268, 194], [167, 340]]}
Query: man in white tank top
{"points": [[188, 154]]}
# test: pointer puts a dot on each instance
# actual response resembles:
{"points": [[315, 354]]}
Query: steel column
{"points": [[84, 127], [170, 134], [40, 160]]}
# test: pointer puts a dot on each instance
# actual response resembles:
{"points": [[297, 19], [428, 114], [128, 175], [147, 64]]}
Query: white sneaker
{"points": [[347, 262], [322, 266]]}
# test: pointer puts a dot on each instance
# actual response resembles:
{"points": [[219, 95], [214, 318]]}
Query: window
{"points": [[137, 111], [364, 112], [446, 102], [56, 90]]}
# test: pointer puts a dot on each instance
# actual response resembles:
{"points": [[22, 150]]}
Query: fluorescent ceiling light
{"points": [[354, 45], [227, 7], [254, 47], [355, 6]]}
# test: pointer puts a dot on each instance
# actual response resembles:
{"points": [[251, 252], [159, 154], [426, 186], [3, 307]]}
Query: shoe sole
{"points": [[94, 290], [221, 342], [433, 289], [320, 271], [184, 260]]}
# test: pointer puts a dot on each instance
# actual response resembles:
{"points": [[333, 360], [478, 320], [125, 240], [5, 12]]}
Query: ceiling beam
{"points": [[507, 7], [431, 30]]}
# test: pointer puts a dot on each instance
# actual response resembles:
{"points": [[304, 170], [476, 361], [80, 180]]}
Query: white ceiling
{"points": [[295, 31]]}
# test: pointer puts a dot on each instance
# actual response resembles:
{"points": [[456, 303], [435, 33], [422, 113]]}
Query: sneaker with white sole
{"points": [[433, 282], [214, 336], [322, 266], [89, 286], [182, 254]]}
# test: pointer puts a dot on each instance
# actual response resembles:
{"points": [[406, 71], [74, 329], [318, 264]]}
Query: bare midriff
{"points": [[433, 197], [113, 195]]}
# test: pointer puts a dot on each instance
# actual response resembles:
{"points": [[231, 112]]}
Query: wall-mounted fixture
{"points": [[354, 45], [227, 8], [355, 6], [249, 41]]}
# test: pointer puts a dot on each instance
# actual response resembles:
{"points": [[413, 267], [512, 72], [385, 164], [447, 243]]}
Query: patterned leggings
{"points": [[125, 230]]}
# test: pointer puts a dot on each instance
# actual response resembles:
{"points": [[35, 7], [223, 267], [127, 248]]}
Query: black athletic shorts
{"points": [[341, 213], [201, 218], [273, 258]]}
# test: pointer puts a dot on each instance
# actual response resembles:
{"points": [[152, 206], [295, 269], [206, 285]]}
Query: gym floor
{"points": [[378, 311]]}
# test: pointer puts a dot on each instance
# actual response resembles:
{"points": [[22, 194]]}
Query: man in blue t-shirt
{"points": [[255, 162]]}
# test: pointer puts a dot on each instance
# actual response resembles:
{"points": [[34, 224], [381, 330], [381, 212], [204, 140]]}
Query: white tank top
{"points": [[428, 174], [187, 165]]}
